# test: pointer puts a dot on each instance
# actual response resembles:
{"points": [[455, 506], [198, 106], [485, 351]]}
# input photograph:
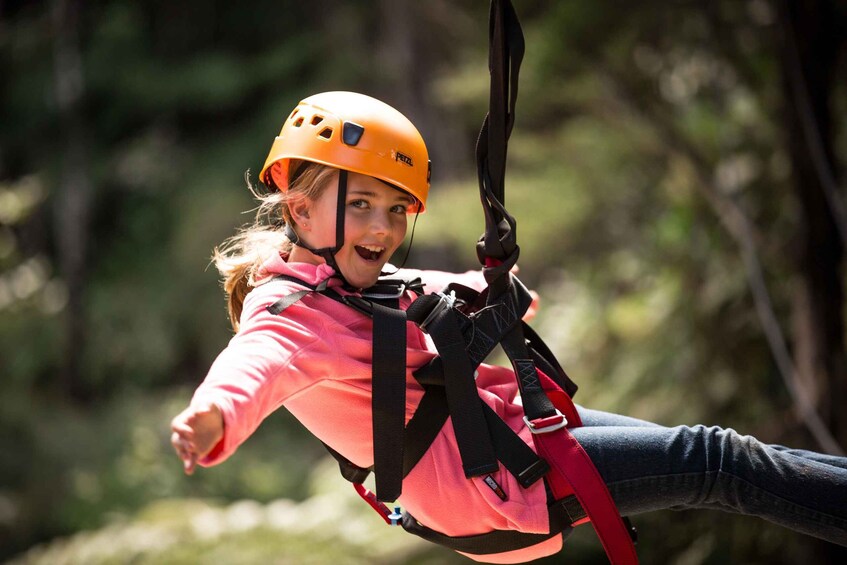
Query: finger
{"points": [[189, 464], [177, 442], [183, 429]]}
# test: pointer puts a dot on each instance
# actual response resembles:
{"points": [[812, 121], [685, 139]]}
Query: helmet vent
{"points": [[317, 119], [299, 122], [326, 133]]}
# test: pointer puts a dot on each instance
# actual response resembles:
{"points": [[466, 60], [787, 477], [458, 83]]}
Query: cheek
{"points": [[353, 226], [400, 226]]}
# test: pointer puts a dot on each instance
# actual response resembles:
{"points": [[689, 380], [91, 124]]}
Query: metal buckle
{"points": [[542, 426], [445, 301], [386, 295]]}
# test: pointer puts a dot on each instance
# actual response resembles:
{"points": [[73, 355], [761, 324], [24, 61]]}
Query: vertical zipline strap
{"points": [[498, 251], [505, 56]]}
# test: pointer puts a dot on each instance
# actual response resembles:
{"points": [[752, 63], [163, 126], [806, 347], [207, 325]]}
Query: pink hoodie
{"points": [[315, 359]]}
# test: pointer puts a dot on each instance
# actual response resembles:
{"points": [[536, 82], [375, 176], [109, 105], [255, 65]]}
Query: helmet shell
{"points": [[354, 132]]}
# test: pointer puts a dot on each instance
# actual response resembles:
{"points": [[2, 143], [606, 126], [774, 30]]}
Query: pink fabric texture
{"points": [[315, 359]]}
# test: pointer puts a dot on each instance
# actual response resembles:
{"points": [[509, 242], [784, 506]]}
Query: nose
{"points": [[380, 222]]}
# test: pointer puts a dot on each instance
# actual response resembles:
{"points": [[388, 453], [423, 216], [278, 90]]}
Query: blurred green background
{"points": [[675, 170]]}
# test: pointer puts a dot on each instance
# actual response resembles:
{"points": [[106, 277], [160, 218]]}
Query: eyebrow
{"points": [[401, 196]]}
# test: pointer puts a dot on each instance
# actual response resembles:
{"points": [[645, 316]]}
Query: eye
{"points": [[400, 209], [358, 203]]}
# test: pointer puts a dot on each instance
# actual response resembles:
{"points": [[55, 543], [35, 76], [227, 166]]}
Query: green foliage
{"points": [[623, 114], [72, 469]]}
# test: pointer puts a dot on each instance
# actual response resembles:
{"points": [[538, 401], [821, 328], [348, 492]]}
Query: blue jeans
{"points": [[650, 467]]}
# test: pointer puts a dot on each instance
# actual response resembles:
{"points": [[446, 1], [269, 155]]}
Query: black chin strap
{"points": [[408, 249], [328, 253]]}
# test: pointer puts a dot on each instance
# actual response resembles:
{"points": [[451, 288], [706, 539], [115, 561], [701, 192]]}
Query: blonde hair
{"points": [[239, 257]]}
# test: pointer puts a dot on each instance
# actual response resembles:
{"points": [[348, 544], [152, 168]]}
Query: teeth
{"points": [[373, 248]]}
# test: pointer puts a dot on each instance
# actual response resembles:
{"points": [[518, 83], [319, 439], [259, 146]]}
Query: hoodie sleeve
{"points": [[248, 380]]}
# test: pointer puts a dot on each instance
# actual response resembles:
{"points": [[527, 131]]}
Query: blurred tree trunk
{"points": [[812, 41], [74, 189], [410, 59]]}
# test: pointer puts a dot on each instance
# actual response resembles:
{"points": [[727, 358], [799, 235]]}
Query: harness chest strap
{"points": [[449, 387]]}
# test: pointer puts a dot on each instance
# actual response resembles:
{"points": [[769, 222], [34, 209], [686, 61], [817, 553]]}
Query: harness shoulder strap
{"points": [[388, 398], [288, 300]]}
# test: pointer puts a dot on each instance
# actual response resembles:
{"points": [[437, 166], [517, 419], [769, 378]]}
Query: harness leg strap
{"points": [[571, 463]]}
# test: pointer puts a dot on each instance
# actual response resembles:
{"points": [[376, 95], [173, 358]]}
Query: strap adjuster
{"points": [[386, 295], [546, 425], [445, 302]]}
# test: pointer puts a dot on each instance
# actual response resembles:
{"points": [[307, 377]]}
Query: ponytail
{"points": [[238, 260]]}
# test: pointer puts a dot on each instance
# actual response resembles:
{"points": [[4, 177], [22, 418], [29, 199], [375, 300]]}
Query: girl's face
{"points": [[374, 227]]}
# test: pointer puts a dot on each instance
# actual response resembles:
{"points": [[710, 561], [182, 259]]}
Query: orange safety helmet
{"points": [[356, 133]]}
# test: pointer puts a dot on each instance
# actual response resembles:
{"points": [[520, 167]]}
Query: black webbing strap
{"points": [[463, 401], [546, 361], [536, 404], [328, 253], [421, 431], [280, 305], [423, 428], [518, 458], [515, 455], [480, 334], [388, 398], [505, 55], [349, 470], [563, 514], [388, 380]]}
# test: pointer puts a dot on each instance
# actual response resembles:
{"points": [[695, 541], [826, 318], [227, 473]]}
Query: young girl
{"points": [[346, 172]]}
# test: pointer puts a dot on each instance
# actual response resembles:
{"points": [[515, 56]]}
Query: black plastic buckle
{"points": [[359, 303], [390, 291], [534, 472]]}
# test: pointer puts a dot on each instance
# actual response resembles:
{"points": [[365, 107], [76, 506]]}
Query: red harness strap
{"points": [[574, 473]]}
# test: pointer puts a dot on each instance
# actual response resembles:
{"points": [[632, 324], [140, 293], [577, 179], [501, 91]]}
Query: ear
{"points": [[300, 212]]}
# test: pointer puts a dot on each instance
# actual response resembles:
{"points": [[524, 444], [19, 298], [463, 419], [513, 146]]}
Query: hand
{"points": [[196, 431]]}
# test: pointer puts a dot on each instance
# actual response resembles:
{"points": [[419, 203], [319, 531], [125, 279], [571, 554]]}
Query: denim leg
{"points": [[834, 460], [653, 467], [591, 417]]}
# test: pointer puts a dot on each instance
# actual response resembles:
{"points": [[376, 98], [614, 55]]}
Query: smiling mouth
{"points": [[370, 252]]}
